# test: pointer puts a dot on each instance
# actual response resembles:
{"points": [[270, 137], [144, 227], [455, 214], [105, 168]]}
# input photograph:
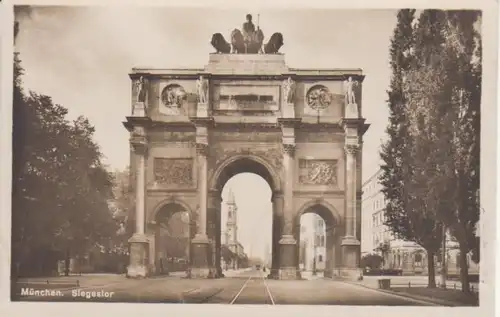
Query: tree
{"points": [[442, 91], [60, 188], [404, 215], [463, 62], [372, 261]]}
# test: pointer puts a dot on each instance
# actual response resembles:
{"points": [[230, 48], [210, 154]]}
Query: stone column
{"points": [[350, 244], [201, 244], [330, 252], [277, 200], [139, 243], [214, 212], [288, 241]]}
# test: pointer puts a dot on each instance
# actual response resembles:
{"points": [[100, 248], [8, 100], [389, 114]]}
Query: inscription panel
{"points": [[173, 171], [318, 172], [247, 136], [246, 97]]}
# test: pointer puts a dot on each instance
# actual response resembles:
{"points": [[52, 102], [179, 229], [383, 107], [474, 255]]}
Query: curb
{"points": [[415, 297]]}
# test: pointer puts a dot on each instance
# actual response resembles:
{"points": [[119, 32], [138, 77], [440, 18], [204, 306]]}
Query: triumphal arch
{"points": [[191, 130]]}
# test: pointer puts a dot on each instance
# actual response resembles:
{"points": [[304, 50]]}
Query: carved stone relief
{"points": [[173, 171], [317, 172], [272, 155], [318, 98], [172, 98]]}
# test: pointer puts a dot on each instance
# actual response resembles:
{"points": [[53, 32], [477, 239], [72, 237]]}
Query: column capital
{"points": [[289, 149], [139, 144], [351, 149], [202, 149]]}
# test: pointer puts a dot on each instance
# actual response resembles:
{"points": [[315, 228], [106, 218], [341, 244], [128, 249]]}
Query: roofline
{"points": [[371, 177]]}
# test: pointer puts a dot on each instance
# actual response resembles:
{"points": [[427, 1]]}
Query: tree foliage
{"points": [[60, 189], [430, 174], [372, 261]]}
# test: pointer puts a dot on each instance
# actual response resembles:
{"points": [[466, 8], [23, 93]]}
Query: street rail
{"points": [[235, 298]]}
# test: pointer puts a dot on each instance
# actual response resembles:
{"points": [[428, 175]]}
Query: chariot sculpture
{"points": [[248, 40]]}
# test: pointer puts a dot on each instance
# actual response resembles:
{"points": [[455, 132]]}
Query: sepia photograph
{"points": [[236, 156]]}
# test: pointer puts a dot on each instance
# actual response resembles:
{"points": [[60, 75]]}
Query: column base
{"points": [[198, 272], [199, 257], [288, 268], [139, 247], [351, 252], [328, 273], [137, 271], [289, 273], [347, 274]]}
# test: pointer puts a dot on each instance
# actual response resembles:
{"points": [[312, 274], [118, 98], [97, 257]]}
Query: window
{"points": [[322, 241], [320, 258]]}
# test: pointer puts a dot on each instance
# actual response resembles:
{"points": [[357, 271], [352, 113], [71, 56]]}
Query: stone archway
{"points": [[305, 146], [333, 232], [230, 167]]}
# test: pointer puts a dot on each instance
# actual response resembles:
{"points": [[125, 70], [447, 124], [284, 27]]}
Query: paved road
{"points": [[249, 287]]}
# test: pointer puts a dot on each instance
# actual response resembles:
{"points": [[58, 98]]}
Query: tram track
{"points": [[254, 292]]}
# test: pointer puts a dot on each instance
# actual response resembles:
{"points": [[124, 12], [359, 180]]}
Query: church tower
{"points": [[231, 227]]}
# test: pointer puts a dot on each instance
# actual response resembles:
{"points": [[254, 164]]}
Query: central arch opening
{"points": [[244, 216], [319, 238]]}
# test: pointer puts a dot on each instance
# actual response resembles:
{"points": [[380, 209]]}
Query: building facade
{"points": [[312, 243], [230, 236], [405, 255]]}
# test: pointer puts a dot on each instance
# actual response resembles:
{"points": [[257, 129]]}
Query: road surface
{"points": [[247, 287]]}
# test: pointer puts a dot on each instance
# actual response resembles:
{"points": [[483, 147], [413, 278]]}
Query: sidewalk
{"points": [[413, 281], [416, 287]]}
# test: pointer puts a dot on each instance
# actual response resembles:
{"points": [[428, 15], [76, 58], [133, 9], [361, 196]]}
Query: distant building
{"points": [[230, 237], [405, 255], [312, 248]]}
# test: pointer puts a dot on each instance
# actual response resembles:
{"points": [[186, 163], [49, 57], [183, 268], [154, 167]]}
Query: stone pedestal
{"points": [[288, 110], [200, 265], [288, 258], [351, 111], [351, 250], [139, 109], [350, 270], [202, 110], [139, 247]]}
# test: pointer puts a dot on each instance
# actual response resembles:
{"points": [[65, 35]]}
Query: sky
{"points": [[81, 57]]}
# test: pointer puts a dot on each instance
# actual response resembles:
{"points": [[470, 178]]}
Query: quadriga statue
{"points": [[248, 40]]}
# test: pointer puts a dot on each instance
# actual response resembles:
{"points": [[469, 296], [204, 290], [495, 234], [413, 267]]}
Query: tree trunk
{"points": [[431, 276], [66, 263], [464, 271]]}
